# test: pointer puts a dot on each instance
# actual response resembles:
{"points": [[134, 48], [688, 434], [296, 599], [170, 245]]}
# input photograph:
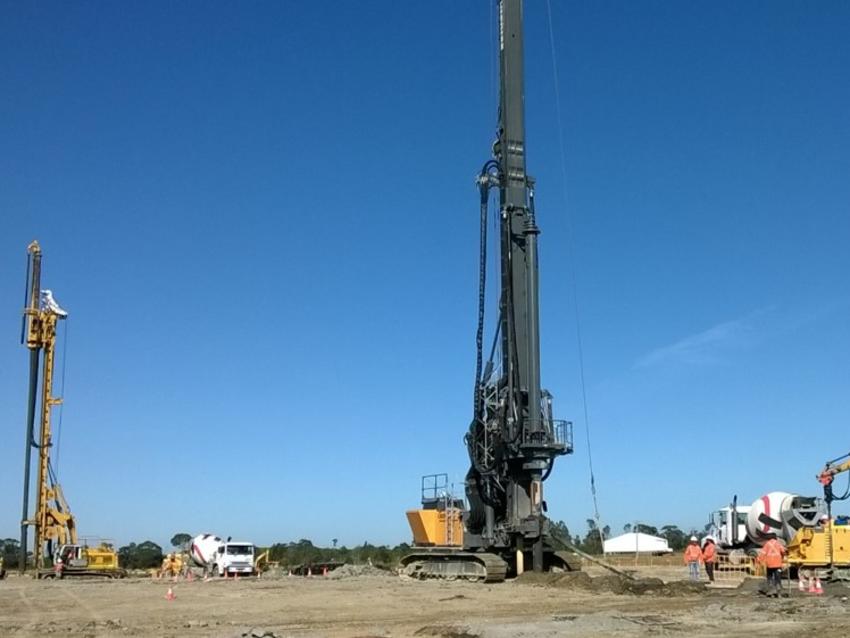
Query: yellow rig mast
{"points": [[53, 522]]}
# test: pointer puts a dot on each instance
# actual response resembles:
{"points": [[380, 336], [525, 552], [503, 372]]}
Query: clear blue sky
{"points": [[262, 219]]}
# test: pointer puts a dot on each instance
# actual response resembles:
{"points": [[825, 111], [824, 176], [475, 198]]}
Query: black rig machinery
{"points": [[513, 439]]}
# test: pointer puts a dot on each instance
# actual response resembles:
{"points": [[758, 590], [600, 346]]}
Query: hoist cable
{"points": [[571, 252]]}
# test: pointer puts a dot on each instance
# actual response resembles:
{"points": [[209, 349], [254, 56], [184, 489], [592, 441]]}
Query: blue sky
{"points": [[262, 219]]}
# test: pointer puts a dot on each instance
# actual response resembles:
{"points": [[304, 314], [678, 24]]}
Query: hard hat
{"points": [[693, 539]]}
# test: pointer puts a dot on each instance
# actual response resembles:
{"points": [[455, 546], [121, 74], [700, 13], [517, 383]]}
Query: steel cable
{"points": [[571, 252]]}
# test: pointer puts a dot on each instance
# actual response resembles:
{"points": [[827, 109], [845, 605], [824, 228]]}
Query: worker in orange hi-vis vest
{"points": [[771, 555], [693, 557], [709, 556]]}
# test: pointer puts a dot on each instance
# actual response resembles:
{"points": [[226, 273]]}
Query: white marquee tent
{"points": [[636, 543]]}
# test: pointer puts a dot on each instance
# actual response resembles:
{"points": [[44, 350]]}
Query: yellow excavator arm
{"points": [[831, 468]]}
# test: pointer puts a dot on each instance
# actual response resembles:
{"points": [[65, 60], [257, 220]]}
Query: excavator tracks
{"points": [[453, 564]]}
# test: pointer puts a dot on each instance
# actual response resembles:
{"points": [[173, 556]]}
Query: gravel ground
{"points": [[372, 605]]}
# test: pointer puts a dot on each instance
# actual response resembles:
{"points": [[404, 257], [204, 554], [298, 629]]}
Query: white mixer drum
{"points": [[766, 518], [204, 547]]}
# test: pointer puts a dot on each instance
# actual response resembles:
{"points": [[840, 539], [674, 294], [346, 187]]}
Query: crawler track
{"points": [[450, 563]]}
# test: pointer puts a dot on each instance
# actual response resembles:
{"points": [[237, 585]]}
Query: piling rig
{"points": [[513, 439], [54, 524]]}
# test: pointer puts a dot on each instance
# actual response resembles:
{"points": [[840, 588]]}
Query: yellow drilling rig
{"points": [[56, 549]]}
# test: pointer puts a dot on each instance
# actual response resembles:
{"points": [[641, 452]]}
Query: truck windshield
{"points": [[240, 549]]}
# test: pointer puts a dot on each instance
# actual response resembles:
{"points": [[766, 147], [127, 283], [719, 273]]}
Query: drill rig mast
{"points": [[513, 439], [53, 522]]}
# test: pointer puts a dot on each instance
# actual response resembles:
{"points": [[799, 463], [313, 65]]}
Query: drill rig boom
{"points": [[54, 524], [513, 439]]}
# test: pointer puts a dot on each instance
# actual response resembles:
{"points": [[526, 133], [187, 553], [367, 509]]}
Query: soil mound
{"points": [[611, 583], [352, 571]]}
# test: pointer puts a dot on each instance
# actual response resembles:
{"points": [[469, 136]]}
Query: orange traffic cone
{"points": [[170, 594], [290, 572], [801, 585], [309, 571], [190, 576], [818, 587], [325, 570]]}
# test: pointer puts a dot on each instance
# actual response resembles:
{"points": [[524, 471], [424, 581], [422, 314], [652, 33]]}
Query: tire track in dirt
{"points": [[82, 604], [31, 612]]}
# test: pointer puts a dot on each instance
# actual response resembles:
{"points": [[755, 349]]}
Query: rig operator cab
{"points": [[82, 560]]}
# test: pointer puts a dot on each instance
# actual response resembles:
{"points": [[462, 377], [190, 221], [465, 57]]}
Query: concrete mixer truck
{"points": [[745, 528], [222, 558]]}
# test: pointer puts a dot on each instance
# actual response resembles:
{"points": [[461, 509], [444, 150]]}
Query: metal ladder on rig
{"points": [[449, 510]]}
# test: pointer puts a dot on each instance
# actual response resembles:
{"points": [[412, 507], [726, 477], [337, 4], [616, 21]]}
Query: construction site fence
{"points": [[724, 569]]}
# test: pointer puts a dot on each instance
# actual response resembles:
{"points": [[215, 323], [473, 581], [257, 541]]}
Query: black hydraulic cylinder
{"points": [[31, 405], [533, 314]]}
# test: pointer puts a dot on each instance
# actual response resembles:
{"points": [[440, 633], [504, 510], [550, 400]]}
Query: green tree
{"points": [[181, 541], [145, 555], [593, 541], [561, 531], [627, 528], [10, 549], [676, 538]]}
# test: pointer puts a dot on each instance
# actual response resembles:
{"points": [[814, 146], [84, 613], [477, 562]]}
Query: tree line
{"points": [[591, 542], [149, 555]]}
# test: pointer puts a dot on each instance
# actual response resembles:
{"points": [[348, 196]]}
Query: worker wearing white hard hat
{"points": [[693, 557]]}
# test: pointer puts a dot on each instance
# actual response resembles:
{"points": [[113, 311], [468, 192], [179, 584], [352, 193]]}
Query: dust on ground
{"points": [[379, 604]]}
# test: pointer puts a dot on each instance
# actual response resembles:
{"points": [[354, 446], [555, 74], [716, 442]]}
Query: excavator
{"points": [[57, 550], [513, 439], [824, 549]]}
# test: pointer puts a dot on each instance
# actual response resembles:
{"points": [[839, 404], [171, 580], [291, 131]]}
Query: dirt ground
{"points": [[371, 606]]}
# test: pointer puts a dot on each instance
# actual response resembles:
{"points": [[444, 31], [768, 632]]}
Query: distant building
{"points": [[637, 543]]}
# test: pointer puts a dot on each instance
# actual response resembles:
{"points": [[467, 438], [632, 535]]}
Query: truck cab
{"points": [[234, 557], [728, 526]]}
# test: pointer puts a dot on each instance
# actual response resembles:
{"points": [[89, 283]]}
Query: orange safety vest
{"points": [[771, 553], [709, 554], [692, 553]]}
